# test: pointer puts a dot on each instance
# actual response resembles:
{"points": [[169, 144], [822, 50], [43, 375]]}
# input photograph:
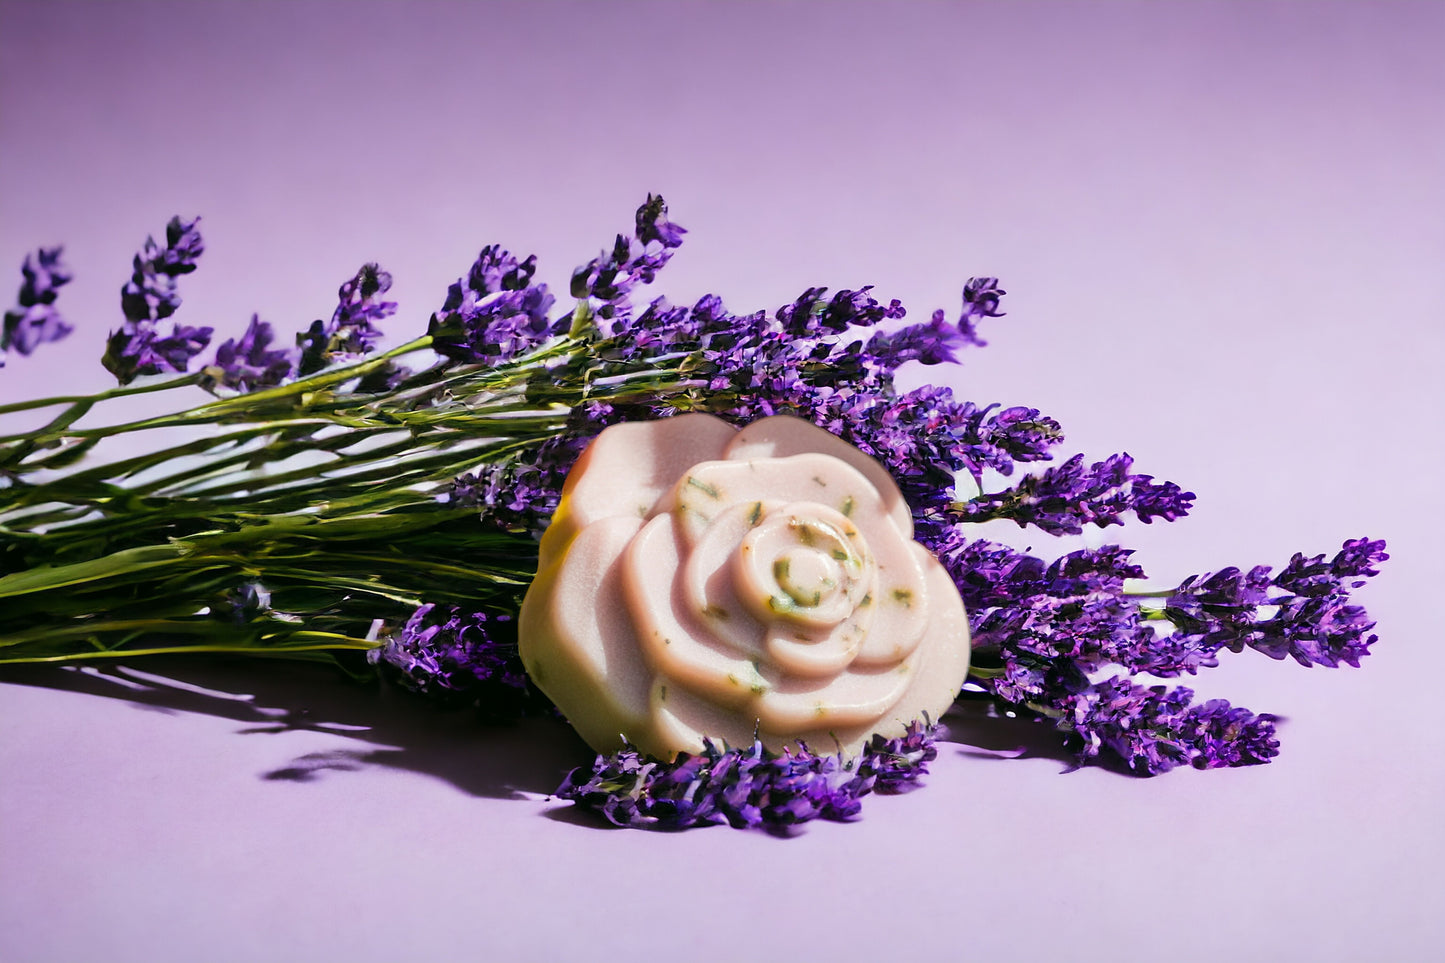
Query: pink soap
{"points": [[700, 581]]}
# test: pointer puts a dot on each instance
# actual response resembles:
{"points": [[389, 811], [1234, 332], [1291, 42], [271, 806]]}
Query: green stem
{"points": [[1152, 594], [117, 392], [282, 650]]}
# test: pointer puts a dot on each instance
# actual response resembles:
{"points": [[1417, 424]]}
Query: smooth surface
{"points": [[1221, 228]]}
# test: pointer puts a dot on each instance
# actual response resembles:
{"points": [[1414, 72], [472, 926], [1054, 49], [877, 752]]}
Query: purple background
{"points": [[1221, 226]]}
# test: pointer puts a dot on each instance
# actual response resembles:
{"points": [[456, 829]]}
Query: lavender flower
{"points": [[812, 315], [635, 260], [654, 227], [1222, 735], [34, 320], [1062, 499], [140, 347], [495, 313], [931, 343], [747, 787], [937, 341], [1041, 630], [150, 294], [1313, 620], [458, 657], [981, 297], [351, 333], [896, 765], [250, 363], [244, 604], [520, 495], [1155, 729]]}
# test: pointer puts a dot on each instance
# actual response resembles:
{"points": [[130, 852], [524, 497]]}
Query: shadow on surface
{"points": [[977, 733], [392, 728]]}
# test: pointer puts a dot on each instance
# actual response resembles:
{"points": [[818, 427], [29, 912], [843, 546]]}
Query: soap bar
{"points": [[703, 581]]}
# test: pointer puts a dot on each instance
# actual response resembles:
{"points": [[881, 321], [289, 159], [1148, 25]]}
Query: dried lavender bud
{"points": [[250, 363], [150, 294], [747, 787], [34, 320], [1062, 499], [457, 657], [141, 347], [1155, 729], [610, 276], [351, 333]]}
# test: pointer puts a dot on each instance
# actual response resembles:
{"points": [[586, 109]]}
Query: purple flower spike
{"points": [[491, 327], [1223, 735], [457, 657], [352, 333], [748, 787], [249, 364], [813, 315], [1155, 729], [45, 274], [1313, 620], [497, 270], [610, 276], [140, 347], [150, 294], [1065, 498], [931, 343], [653, 225], [981, 297], [34, 320]]}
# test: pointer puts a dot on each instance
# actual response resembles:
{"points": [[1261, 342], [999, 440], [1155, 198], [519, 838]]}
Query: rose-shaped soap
{"points": [[698, 580]]}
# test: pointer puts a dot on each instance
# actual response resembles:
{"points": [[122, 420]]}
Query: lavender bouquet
{"points": [[333, 503]]}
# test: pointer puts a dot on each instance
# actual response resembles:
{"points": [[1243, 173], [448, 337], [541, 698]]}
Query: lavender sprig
{"points": [[34, 320], [351, 333], [748, 787], [495, 313], [631, 261], [250, 362], [1155, 729], [458, 657], [1042, 630], [1313, 620], [1062, 499], [151, 295]]}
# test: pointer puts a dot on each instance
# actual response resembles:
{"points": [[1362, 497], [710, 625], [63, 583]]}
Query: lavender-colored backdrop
{"points": [[1222, 228]]}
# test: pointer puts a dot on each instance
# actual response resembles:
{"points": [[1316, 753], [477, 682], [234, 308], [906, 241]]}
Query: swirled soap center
{"points": [[807, 576], [804, 565]]}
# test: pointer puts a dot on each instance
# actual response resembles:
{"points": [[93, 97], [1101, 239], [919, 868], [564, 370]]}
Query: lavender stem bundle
{"points": [[340, 505]]}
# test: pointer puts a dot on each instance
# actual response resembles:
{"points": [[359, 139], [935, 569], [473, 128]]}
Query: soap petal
{"points": [[575, 639], [853, 698], [940, 664], [778, 436], [815, 655], [707, 585], [628, 467], [680, 720], [671, 640], [901, 603], [701, 493]]}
